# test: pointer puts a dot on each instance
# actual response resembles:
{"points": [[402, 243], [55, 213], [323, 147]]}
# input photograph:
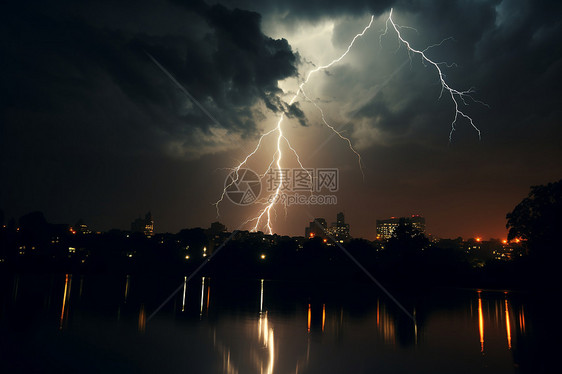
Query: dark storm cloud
{"points": [[314, 9], [294, 111], [84, 110], [68, 58], [245, 63], [506, 50]]}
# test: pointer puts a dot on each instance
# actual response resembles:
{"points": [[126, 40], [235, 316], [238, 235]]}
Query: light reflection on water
{"points": [[65, 300], [481, 321], [273, 331]]}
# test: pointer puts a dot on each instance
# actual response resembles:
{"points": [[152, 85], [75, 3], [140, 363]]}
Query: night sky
{"points": [[91, 128]]}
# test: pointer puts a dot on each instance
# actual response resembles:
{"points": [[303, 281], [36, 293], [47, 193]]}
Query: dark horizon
{"points": [[73, 226]]}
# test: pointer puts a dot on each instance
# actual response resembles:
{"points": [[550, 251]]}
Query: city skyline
{"points": [[93, 129], [339, 230]]}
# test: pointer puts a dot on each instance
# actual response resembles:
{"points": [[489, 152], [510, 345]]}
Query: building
{"points": [[316, 228], [339, 229], [144, 225], [81, 227], [216, 228], [385, 227], [216, 235], [418, 222]]}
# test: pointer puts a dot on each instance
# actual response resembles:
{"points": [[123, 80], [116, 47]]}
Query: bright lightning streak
{"points": [[265, 214], [455, 94]]}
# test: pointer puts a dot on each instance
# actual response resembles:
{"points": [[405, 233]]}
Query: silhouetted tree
{"points": [[538, 219], [407, 239], [34, 229]]}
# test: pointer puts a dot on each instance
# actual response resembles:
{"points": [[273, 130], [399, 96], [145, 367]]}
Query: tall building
{"points": [[144, 225], [340, 219], [216, 228], [314, 230], [386, 227], [418, 222], [81, 227], [339, 229]]}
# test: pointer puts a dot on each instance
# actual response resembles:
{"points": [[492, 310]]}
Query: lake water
{"points": [[96, 323]]}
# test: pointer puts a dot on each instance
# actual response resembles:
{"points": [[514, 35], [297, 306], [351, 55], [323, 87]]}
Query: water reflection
{"points": [[184, 291], [260, 348], [202, 294], [65, 300], [507, 320], [480, 322], [522, 319], [208, 295], [309, 317], [507, 323], [323, 316], [142, 319], [266, 338], [261, 296], [386, 324], [251, 330], [228, 366], [127, 281]]}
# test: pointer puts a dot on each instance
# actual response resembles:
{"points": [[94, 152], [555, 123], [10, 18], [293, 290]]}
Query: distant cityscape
{"points": [[34, 235]]}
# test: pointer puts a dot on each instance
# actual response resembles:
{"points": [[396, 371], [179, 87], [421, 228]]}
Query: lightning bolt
{"points": [[455, 95], [265, 213], [263, 218]]}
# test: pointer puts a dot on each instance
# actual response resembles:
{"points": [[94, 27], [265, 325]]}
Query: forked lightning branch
{"points": [[242, 185]]}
